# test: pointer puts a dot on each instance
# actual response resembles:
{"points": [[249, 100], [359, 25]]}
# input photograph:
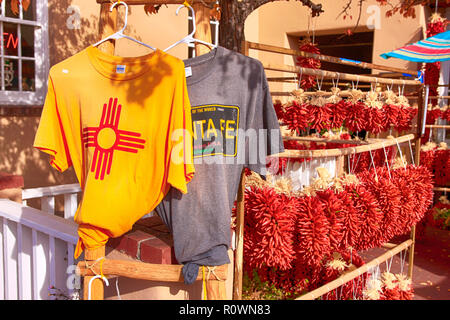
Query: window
{"points": [[214, 35], [24, 59], [358, 46]]}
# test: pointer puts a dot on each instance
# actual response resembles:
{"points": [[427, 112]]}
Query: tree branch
{"points": [[359, 14], [345, 9], [315, 8], [252, 5]]}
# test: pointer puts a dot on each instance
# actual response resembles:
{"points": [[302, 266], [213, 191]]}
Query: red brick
{"points": [[9, 181], [158, 250], [150, 222], [134, 238], [119, 243]]}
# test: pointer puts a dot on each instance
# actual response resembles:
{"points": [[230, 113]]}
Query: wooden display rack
{"points": [[340, 154], [95, 263]]}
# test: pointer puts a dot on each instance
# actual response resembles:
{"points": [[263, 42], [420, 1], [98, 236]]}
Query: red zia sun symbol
{"points": [[107, 138]]}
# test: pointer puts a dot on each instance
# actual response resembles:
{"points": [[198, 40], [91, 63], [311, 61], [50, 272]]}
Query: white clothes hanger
{"points": [[90, 284], [119, 34], [189, 38]]}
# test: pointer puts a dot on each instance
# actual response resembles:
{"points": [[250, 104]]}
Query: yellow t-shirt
{"points": [[124, 124]]}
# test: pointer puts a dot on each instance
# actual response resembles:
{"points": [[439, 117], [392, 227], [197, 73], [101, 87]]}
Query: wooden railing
{"points": [[36, 250], [48, 194]]}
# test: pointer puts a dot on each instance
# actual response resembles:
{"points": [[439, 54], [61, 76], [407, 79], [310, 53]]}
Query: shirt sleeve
{"points": [[265, 122], [50, 136], [181, 165]]}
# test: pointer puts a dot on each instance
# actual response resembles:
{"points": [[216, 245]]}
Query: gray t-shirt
{"points": [[234, 125]]}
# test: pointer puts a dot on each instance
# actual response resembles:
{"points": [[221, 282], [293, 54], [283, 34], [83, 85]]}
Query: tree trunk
{"points": [[234, 14], [232, 22]]}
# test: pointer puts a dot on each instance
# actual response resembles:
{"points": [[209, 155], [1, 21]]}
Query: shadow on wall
{"points": [[17, 155], [70, 29], [73, 27]]}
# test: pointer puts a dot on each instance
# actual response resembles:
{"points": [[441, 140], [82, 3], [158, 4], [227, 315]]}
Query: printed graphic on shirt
{"points": [[215, 129], [107, 138]]}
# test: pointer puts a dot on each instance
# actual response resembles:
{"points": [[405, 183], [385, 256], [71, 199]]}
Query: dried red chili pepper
{"points": [[356, 120], [279, 109], [338, 113], [270, 223], [433, 115], [446, 114], [389, 199], [391, 112], [441, 166], [312, 231], [351, 222], [335, 212], [308, 81], [371, 216], [296, 116], [320, 116], [375, 120]]}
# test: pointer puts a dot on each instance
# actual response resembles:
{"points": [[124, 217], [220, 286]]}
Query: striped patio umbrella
{"points": [[432, 49]]}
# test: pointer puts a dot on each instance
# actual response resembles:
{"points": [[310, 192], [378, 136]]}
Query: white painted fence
{"points": [[36, 247], [48, 194]]}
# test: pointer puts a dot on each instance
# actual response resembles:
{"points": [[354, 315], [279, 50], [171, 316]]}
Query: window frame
{"points": [[41, 57]]}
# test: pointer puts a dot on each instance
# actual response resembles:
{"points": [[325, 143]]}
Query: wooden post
{"points": [[145, 271], [322, 153], [97, 290], [215, 288], [203, 26], [334, 75], [107, 26], [420, 108], [238, 257], [340, 165], [335, 60], [245, 48], [441, 189], [417, 162]]}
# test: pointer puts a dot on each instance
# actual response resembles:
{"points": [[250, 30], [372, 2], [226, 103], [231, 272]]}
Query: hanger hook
{"points": [[117, 3], [187, 5], [90, 284]]}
